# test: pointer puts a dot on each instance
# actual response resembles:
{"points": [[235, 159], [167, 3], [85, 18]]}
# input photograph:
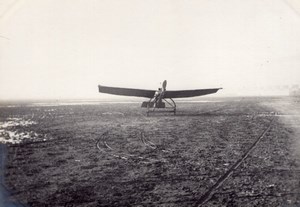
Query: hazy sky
{"points": [[65, 48]]}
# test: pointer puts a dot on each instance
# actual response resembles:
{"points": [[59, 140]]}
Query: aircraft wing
{"points": [[189, 93], [126, 91]]}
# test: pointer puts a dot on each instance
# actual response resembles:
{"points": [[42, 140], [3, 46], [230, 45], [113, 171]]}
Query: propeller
{"points": [[164, 85]]}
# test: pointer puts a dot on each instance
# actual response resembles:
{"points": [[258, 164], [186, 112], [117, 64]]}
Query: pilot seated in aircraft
{"points": [[157, 94]]}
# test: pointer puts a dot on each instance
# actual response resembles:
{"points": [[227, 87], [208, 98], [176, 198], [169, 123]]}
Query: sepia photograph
{"points": [[149, 103]]}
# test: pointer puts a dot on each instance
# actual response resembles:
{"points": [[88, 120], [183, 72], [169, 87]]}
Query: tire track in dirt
{"points": [[152, 145], [108, 149], [209, 193], [104, 147], [146, 142]]}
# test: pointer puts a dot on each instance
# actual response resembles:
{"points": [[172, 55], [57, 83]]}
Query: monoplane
{"points": [[159, 99]]}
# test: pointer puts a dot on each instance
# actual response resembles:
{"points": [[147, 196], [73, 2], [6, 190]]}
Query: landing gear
{"points": [[164, 106]]}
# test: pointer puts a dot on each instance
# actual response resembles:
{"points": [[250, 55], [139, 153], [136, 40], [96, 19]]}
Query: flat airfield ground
{"points": [[225, 152]]}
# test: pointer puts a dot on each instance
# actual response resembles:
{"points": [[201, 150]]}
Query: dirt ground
{"points": [[224, 152]]}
